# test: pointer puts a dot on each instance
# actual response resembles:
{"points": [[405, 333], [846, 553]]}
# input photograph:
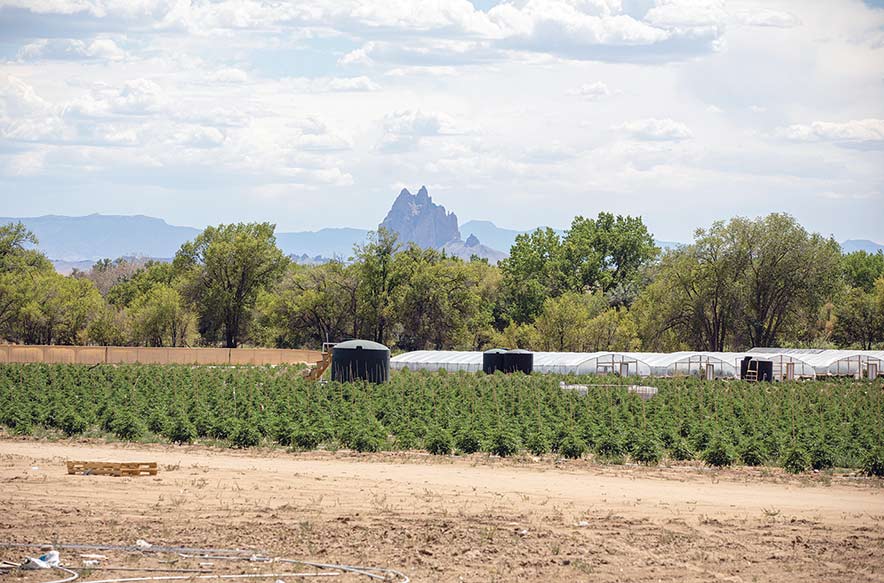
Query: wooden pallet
{"points": [[113, 468]]}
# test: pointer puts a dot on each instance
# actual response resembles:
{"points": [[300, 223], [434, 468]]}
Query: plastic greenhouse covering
{"points": [[787, 363]]}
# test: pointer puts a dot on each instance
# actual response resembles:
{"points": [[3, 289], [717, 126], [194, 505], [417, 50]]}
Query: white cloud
{"points": [[133, 97], [72, 49], [653, 129], [688, 16], [199, 137], [591, 91], [330, 84], [760, 16], [228, 75], [854, 133], [26, 116], [404, 130]]}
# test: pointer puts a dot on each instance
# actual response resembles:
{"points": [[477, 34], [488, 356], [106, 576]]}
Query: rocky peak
{"points": [[472, 241], [417, 219]]}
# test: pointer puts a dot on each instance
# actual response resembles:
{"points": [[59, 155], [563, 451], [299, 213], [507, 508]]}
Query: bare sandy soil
{"points": [[454, 519]]}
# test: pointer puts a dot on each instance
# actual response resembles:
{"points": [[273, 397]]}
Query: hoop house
{"points": [[450, 360]]}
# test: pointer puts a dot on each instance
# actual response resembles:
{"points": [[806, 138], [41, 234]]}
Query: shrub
{"points": [[305, 437], [504, 441], [537, 443], [439, 441], [469, 440], [647, 450], [72, 424], [873, 462], [406, 439], [126, 426], [572, 446], [609, 445], [720, 452], [282, 431], [752, 452], [157, 421], [795, 459], [365, 442], [245, 434], [202, 422], [367, 435], [681, 450], [222, 427], [821, 457], [181, 430]]}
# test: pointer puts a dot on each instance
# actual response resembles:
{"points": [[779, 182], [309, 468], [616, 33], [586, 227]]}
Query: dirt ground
{"points": [[473, 518]]}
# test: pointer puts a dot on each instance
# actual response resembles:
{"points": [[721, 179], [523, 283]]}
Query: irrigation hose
{"points": [[72, 575], [237, 576], [214, 554]]}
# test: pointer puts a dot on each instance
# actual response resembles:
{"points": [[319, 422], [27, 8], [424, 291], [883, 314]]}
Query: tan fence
{"points": [[142, 355]]}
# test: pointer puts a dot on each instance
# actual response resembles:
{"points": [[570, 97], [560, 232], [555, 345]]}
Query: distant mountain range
{"points": [[77, 242], [851, 245]]}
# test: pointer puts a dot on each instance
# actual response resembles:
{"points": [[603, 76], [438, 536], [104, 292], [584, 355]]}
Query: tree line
{"points": [[602, 285]]}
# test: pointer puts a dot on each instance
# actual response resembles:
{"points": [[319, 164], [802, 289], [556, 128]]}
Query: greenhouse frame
{"points": [[787, 363]]}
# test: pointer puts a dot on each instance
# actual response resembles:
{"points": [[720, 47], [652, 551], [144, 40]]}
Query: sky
{"points": [[315, 113]]}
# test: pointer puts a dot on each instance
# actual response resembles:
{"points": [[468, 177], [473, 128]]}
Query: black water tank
{"points": [[360, 360], [518, 360], [492, 360]]}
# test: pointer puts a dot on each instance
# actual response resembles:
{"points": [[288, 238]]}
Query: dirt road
{"points": [[456, 519]]}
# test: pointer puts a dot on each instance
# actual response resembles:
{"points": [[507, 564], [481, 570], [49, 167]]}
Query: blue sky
{"points": [[315, 113]]}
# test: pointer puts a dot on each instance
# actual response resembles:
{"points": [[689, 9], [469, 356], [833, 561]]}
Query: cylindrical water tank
{"points": [[360, 360], [492, 360], [518, 360]]}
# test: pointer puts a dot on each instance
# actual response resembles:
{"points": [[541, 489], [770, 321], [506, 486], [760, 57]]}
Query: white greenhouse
{"points": [[786, 363]]}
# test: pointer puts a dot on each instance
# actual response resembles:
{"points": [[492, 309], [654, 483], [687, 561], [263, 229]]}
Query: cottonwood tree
{"points": [[741, 283], [601, 254], [696, 292], [563, 324], [860, 317], [434, 301], [788, 271], [377, 283], [225, 268], [311, 305], [161, 318]]}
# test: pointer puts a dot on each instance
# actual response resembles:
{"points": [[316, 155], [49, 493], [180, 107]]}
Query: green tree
{"points": [[160, 318], [19, 265], [434, 300], [696, 292], [108, 327], [564, 321], [789, 270], [741, 283], [860, 318], [606, 252], [377, 283], [225, 268], [532, 273], [312, 305], [129, 288], [603, 254], [861, 269], [612, 330], [56, 310]]}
